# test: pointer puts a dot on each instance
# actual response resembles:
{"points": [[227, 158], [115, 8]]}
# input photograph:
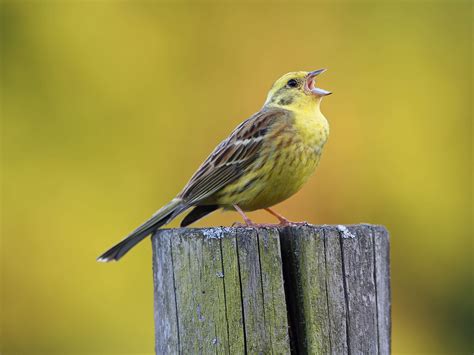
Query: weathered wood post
{"points": [[301, 290]]}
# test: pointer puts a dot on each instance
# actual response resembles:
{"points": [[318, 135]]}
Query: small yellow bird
{"points": [[265, 160]]}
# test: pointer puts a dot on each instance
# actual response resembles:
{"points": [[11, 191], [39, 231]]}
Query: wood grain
{"points": [[299, 289]]}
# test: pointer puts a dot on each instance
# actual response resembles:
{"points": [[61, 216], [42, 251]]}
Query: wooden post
{"points": [[300, 289]]}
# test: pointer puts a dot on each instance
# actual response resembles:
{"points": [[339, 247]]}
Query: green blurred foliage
{"points": [[109, 107]]}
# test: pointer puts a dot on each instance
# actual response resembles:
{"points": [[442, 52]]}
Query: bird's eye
{"points": [[292, 83]]}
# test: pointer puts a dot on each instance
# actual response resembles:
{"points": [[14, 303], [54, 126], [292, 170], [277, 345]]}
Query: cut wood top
{"points": [[296, 289]]}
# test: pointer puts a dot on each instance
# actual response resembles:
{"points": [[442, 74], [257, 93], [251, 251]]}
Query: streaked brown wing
{"points": [[231, 158]]}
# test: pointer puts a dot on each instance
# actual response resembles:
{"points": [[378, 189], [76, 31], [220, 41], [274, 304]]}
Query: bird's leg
{"points": [[247, 220], [284, 221]]}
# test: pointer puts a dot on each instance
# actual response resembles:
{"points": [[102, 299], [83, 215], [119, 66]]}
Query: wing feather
{"points": [[232, 156]]}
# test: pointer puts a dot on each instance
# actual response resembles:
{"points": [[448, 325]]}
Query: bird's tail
{"points": [[160, 218]]}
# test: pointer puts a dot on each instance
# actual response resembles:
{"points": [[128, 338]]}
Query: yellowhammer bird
{"points": [[265, 160]]}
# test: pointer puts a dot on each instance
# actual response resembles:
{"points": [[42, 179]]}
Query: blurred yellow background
{"points": [[109, 107]]}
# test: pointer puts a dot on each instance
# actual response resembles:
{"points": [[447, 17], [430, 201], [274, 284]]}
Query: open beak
{"points": [[311, 82]]}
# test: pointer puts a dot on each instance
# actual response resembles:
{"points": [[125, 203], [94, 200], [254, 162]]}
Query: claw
{"points": [[239, 225], [256, 225], [284, 222], [288, 223]]}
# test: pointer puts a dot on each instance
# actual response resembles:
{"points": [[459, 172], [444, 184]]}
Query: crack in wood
{"points": [[174, 288], [299, 290], [375, 287], [225, 297], [241, 297], [346, 296], [327, 289]]}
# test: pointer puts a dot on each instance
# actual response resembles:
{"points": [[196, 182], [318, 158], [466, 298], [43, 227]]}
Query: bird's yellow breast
{"points": [[284, 165]]}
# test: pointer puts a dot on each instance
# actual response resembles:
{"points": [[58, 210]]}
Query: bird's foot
{"points": [[255, 225], [287, 223], [240, 225], [284, 222], [248, 221]]}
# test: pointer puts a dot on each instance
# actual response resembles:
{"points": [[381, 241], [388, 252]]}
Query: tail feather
{"points": [[197, 213], [160, 218]]}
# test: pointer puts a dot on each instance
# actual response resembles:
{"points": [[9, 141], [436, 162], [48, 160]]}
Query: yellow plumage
{"points": [[285, 164], [289, 155], [265, 160]]}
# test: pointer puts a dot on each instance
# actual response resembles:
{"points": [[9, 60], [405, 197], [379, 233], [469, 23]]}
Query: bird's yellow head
{"points": [[296, 91]]}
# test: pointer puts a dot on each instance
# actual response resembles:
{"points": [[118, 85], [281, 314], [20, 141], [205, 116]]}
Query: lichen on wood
{"points": [[298, 289]]}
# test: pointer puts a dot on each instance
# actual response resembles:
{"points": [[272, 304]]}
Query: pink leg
{"points": [[284, 221], [247, 220]]}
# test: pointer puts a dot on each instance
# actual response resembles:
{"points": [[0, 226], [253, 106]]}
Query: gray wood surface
{"points": [[299, 289]]}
